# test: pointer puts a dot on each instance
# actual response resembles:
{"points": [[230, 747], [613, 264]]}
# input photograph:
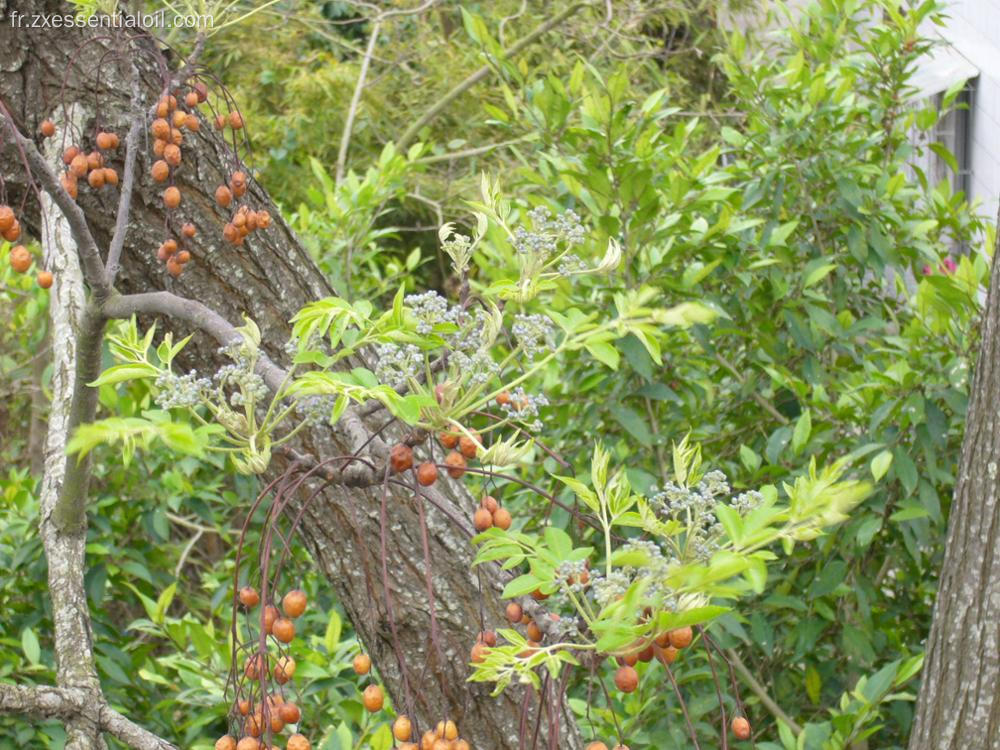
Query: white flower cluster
{"points": [[695, 508], [180, 390], [397, 363], [547, 232], [533, 333], [315, 410]]}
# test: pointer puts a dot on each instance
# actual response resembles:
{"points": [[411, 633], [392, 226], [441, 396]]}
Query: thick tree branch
{"points": [[128, 181], [40, 702], [201, 316]]}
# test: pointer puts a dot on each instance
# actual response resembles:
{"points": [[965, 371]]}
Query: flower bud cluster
{"points": [[183, 391], [534, 333]]}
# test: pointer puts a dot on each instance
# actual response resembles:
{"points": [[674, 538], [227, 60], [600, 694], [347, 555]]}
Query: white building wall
{"points": [[973, 30]]}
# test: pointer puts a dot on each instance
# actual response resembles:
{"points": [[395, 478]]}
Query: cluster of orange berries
{"points": [[666, 647], [20, 256], [372, 697], [461, 448], [244, 220], [274, 712], [167, 130], [489, 514], [81, 165], [443, 737], [10, 227]]}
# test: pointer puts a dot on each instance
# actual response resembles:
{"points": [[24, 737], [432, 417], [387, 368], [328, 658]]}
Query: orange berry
{"points": [[44, 279], [402, 728], [627, 679], [188, 230], [362, 664], [13, 233], [172, 197], [427, 473], [269, 615], [468, 446], [174, 267], [225, 743], [284, 670], [478, 653], [534, 632], [79, 165], [681, 637], [298, 742], [482, 519], [596, 745], [69, 154], [253, 666], [172, 155], [223, 196], [96, 179], [7, 218], [94, 160], [502, 518], [490, 503], [158, 145], [455, 462], [373, 698], [110, 176], [183, 257], [20, 258], [249, 597], [741, 728], [263, 219], [514, 613], [294, 603], [220, 122], [289, 713], [401, 457], [283, 629], [105, 141], [192, 124], [448, 439], [235, 120], [69, 183], [47, 128], [160, 129]]}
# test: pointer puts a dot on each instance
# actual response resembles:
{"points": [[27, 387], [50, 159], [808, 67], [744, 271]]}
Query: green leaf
{"points": [[121, 373], [880, 464], [163, 602], [803, 428], [814, 684], [331, 638], [29, 644], [634, 423], [520, 586], [817, 274], [605, 353]]}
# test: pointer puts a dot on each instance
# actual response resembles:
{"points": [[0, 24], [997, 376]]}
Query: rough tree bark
{"points": [[269, 279], [959, 703]]}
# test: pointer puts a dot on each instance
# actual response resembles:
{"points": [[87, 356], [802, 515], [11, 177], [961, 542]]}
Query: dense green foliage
{"points": [[787, 207]]}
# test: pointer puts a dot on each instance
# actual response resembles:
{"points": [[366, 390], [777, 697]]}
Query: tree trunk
{"points": [[959, 703], [269, 278]]}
